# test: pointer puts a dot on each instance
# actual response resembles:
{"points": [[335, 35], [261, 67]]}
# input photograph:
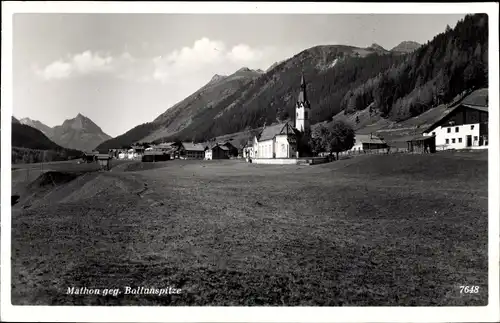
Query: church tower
{"points": [[302, 109]]}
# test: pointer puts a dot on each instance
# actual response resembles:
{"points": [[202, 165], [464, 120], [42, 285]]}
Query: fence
{"points": [[391, 150]]}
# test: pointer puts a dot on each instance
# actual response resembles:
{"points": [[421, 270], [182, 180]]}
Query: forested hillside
{"points": [[31, 145], [454, 61], [330, 72]]}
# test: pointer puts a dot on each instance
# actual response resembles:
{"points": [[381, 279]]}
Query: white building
{"points": [[280, 140], [465, 125]]}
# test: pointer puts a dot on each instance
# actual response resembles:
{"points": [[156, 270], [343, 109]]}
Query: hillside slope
{"points": [[330, 71], [46, 130], [181, 115]]}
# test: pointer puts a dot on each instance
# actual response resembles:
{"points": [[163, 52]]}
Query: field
{"points": [[371, 230]]}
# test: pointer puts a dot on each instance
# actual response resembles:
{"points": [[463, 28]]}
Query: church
{"points": [[282, 140]]}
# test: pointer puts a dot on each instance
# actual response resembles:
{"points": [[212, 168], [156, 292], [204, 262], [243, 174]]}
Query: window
{"points": [[433, 133], [453, 140], [305, 115], [447, 141], [456, 129], [472, 127], [475, 138], [459, 139], [449, 130]]}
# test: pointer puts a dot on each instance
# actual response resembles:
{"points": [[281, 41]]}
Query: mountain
{"points": [[25, 136], [406, 47], [397, 86], [330, 71], [48, 131], [180, 116], [31, 145], [79, 133]]}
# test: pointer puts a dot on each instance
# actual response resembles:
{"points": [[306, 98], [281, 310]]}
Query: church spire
{"points": [[302, 108], [302, 94]]}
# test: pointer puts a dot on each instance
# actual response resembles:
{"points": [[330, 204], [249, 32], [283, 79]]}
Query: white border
{"points": [[488, 313]]}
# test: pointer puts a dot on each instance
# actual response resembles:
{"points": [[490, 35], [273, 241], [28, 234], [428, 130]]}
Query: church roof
{"points": [[275, 130]]}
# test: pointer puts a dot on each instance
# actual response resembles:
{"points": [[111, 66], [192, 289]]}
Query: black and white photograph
{"points": [[259, 158]]}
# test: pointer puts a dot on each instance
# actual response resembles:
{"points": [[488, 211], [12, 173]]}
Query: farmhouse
{"points": [[281, 140], [465, 125], [189, 150], [216, 152], [364, 143]]}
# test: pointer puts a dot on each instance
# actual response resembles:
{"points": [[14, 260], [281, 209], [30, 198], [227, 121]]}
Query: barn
{"points": [[422, 144]]}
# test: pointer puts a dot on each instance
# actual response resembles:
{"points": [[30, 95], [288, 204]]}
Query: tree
{"points": [[342, 138], [334, 139]]}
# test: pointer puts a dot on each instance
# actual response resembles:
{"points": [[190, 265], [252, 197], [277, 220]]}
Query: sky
{"points": [[121, 70]]}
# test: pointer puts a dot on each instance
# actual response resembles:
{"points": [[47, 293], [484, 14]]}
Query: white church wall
{"points": [[282, 147]]}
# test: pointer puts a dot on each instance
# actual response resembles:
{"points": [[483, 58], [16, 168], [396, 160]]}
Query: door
{"points": [[469, 140]]}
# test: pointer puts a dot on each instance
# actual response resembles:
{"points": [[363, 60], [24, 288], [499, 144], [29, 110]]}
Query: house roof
{"points": [[165, 145], [103, 156], [477, 100], [193, 147], [275, 130], [369, 139]]}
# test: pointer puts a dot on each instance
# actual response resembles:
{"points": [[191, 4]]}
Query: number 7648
{"points": [[469, 289]]}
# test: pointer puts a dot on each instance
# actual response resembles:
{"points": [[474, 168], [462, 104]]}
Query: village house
{"points": [[367, 143], [216, 151], [465, 125], [281, 140], [189, 150], [135, 152], [247, 150]]}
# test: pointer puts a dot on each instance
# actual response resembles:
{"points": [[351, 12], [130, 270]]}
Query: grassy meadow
{"points": [[378, 230]]}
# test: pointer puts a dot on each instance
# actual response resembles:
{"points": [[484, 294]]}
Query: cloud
{"points": [[79, 64], [208, 57], [194, 64]]}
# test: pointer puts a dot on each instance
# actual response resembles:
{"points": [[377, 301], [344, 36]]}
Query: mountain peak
{"points": [[377, 47], [217, 77], [244, 69], [406, 46]]}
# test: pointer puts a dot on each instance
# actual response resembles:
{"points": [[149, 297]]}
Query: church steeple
{"points": [[302, 108], [303, 93]]}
